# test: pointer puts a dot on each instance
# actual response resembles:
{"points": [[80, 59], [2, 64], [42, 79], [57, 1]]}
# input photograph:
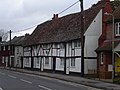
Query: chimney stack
{"points": [[55, 16], [105, 0]]}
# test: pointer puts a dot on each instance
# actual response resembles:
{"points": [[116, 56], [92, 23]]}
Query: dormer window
{"points": [[117, 29]]}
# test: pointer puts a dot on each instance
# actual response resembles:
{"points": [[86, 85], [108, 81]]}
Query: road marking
{"points": [[44, 87], [26, 81], [1, 89], [12, 76], [2, 73]]}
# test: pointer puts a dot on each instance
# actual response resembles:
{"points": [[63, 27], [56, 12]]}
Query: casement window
{"points": [[117, 29], [27, 49], [62, 46], [27, 61], [3, 48], [77, 44], [37, 61], [8, 47], [17, 50], [46, 46], [3, 59], [55, 45], [101, 58], [47, 61], [72, 62], [0, 48], [62, 62]]}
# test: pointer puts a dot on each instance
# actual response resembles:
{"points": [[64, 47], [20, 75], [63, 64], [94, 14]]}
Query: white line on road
{"points": [[44, 87], [26, 81], [12, 76], [1, 89]]}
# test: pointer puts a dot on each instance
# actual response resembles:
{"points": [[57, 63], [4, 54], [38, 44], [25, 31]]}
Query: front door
{"points": [[21, 62], [54, 64]]}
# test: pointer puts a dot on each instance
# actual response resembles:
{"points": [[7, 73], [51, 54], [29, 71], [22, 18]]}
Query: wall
{"points": [[18, 55], [92, 35]]}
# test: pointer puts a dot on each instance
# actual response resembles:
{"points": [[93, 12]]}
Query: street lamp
{"points": [[113, 62]]}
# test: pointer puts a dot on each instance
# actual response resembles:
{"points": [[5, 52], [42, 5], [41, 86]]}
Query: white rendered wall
{"points": [[91, 42], [18, 55]]}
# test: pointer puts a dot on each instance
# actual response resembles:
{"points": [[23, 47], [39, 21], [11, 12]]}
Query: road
{"points": [[11, 80]]}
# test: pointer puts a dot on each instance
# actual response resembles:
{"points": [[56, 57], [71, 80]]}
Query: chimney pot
{"points": [[55, 16]]}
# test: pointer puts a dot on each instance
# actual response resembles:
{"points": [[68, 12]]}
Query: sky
{"points": [[17, 15]]}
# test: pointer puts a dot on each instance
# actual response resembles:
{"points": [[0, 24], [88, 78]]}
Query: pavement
{"points": [[74, 79]]}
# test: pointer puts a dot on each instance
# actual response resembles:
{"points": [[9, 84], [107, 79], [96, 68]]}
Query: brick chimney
{"points": [[105, 0], [55, 16], [27, 34]]}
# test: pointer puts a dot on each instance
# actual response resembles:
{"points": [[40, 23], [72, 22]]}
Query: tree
{"points": [[3, 34]]}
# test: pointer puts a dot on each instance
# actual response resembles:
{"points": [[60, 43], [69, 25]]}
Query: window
{"points": [[27, 49], [61, 46], [46, 46], [73, 62], [62, 62], [117, 29], [0, 48], [3, 48], [3, 59], [8, 47], [17, 50], [27, 61], [37, 61], [101, 58], [77, 43], [46, 61], [55, 45]]}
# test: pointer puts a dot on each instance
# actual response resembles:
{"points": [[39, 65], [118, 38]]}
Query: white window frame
{"points": [[117, 29], [62, 46], [72, 62], [27, 61], [37, 61], [101, 58], [3, 48], [3, 59], [47, 61], [8, 47], [61, 61], [77, 44]]}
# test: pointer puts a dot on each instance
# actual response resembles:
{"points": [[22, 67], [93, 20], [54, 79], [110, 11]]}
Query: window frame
{"points": [[61, 61], [101, 58], [72, 64], [46, 61], [117, 29]]}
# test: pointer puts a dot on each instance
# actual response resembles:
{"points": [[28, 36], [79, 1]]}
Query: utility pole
{"points": [[82, 38]]}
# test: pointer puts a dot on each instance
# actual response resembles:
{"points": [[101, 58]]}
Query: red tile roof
{"points": [[63, 29]]}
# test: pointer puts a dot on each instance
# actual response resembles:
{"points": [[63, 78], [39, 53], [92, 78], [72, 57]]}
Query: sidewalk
{"points": [[75, 79]]}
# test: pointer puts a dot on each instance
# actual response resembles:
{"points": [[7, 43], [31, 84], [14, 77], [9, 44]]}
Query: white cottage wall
{"points": [[91, 42]]}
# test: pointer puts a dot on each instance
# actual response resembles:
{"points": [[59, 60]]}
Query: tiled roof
{"points": [[63, 29], [116, 15], [16, 41], [107, 45], [115, 4]]}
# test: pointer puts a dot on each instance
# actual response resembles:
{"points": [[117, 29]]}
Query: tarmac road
{"points": [[10, 80]]}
